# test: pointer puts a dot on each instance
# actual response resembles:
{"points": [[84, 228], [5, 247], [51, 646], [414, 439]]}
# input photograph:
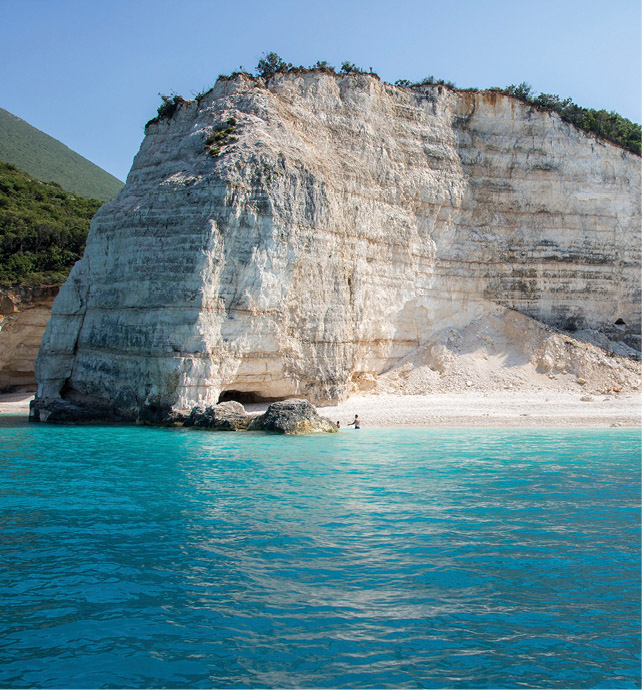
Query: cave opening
{"points": [[620, 322], [247, 397]]}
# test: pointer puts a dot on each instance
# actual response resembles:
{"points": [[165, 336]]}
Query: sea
{"points": [[138, 557]]}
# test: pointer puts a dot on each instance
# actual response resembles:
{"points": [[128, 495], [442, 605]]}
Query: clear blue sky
{"points": [[88, 72]]}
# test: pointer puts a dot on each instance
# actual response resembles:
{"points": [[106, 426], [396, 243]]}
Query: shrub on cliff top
{"points": [[350, 68], [323, 66], [610, 126], [522, 91], [426, 81], [270, 64], [169, 105], [167, 108]]}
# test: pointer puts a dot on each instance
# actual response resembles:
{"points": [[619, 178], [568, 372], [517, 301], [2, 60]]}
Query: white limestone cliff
{"points": [[346, 225]]}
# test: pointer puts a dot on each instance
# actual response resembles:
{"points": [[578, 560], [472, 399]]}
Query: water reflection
{"points": [[399, 558]]}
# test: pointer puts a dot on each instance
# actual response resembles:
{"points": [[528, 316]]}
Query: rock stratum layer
{"points": [[24, 313], [337, 234]]}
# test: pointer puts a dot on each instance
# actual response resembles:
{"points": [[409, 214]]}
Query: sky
{"points": [[89, 72]]}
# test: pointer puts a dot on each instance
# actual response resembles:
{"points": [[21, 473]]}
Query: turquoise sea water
{"points": [[140, 557]]}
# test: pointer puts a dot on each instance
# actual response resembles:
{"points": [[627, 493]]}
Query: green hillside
{"points": [[42, 229], [51, 161]]}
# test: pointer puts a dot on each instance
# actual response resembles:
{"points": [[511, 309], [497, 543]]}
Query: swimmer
{"points": [[356, 423]]}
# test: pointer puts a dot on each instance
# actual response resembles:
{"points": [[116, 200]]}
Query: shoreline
{"points": [[491, 409], [467, 409]]}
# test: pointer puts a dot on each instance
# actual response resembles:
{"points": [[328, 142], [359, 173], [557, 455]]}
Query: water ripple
{"points": [[135, 557]]}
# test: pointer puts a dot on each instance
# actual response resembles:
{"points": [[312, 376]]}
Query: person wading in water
{"points": [[356, 423]]}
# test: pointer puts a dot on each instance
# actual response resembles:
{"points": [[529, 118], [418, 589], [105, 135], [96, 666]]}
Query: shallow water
{"points": [[138, 557]]}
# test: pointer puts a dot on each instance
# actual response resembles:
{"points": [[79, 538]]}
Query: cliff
{"points": [[333, 238], [24, 313]]}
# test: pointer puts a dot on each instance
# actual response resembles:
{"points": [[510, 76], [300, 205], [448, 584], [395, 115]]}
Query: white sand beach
{"points": [[461, 409], [15, 403], [491, 409]]}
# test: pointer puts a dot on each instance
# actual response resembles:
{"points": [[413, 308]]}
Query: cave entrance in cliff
{"points": [[247, 397]]}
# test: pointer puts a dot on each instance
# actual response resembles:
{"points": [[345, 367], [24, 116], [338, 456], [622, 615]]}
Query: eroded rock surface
{"points": [[226, 416], [24, 314], [65, 411], [346, 229], [292, 417]]}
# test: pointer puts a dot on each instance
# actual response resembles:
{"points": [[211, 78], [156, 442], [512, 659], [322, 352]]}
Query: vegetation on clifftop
{"points": [[43, 229], [166, 110], [607, 125]]}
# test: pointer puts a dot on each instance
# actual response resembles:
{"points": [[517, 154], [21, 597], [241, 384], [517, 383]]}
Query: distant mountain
{"points": [[49, 160]]}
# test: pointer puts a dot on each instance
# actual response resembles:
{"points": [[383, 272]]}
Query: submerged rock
{"points": [[226, 416], [292, 417]]}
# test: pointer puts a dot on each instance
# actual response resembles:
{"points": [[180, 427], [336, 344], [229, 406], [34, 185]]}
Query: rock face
{"points": [[226, 416], [24, 313], [292, 417], [64, 411], [340, 229]]}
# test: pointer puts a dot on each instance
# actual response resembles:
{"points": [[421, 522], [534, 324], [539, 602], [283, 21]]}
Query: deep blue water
{"points": [[140, 557]]}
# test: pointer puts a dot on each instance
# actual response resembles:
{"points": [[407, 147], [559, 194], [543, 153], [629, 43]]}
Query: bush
{"points": [[322, 66], [220, 136], [350, 68], [169, 105], [610, 126], [167, 108], [551, 101], [270, 64], [521, 91], [202, 93]]}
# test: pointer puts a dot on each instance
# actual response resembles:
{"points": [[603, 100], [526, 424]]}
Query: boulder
{"points": [[88, 409], [226, 416], [68, 412], [292, 417]]}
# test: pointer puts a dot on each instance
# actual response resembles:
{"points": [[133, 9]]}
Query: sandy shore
{"points": [[466, 409], [15, 403], [491, 409]]}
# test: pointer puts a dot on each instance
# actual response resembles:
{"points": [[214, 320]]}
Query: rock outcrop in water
{"points": [[311, 237], [226, 416], [292, 417]]}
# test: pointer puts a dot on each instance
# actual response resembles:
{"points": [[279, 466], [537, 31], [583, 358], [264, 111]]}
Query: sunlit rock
{"points": [[344, 224]]}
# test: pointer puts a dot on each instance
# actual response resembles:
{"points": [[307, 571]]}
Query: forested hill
{"points": [[43, 229], [49, 160]]}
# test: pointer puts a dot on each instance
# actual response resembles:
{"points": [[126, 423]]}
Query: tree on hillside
{"points": [[42, 229]]}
